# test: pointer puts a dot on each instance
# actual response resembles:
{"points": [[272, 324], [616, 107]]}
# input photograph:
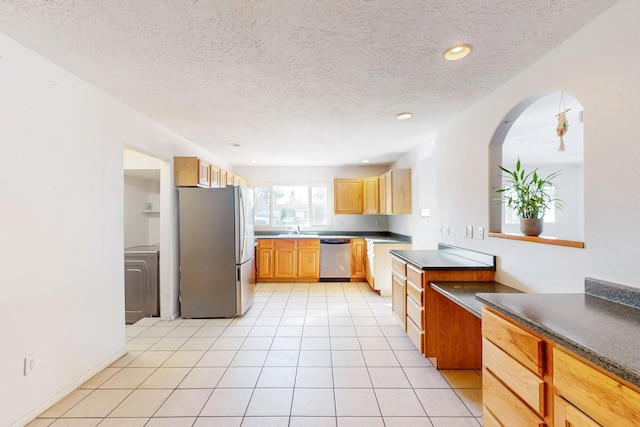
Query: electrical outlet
{"points": [[481, 233], [441, 230], [448, 230], [30, 365], [469, 232]]}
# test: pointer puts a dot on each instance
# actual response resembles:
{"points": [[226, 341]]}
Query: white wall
{"points": [[141, 228], [257, 175], [61, 227], [596, 68]]}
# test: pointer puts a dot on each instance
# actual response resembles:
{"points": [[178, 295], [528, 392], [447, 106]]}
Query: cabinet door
{"points": [[215, 177], [223, 178], [401, 191], [285, 259], [398, 298], [265, 263], [371, 195], [203, 173], [347, 195], [309, 263], [185, 171], [358, 259], [382, 194], [388, 191]]}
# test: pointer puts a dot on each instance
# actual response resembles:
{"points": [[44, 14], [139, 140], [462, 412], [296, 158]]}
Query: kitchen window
{"points": [[291, 205]]}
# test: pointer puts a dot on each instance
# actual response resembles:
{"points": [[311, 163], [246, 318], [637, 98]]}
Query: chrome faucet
{"points": [[294, 229]]}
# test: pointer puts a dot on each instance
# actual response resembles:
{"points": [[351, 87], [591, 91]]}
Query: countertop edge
{"points": [[423, 267], [575, 347]]}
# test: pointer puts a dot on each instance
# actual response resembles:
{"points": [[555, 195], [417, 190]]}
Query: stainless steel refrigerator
{"points": [[217, 255]]}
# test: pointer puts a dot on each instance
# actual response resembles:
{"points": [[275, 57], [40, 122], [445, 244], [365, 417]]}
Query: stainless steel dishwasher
{"points": [[335, 260]]}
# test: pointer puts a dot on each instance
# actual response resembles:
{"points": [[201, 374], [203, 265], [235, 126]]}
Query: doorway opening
{"points": [[142, 231]]}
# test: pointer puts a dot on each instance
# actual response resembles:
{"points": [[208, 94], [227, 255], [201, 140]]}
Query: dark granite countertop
{"points": [[375, 237], [604, 332], [440, 260], [464, 293]]}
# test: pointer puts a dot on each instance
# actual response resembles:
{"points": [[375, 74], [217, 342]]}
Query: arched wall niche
{"points": [[528, 132]]}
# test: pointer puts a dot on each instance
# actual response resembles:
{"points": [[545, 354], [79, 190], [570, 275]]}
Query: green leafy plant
{"points": [[527, 193]]}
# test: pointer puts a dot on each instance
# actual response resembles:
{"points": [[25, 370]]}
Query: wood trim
{"points": [[544, 240]]}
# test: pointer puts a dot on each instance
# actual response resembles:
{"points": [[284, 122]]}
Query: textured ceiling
{"points": [[296, 80]]}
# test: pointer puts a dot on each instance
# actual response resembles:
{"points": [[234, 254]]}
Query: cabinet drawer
{"points": [[600, 396], [515, 341], [399, 266], [488, 420], [311, 243], [505, 406], [285, 244], [415, 294], [414, 311], [565, 414], [415, 335], [266, 243], [414, 275], [520, 380]]}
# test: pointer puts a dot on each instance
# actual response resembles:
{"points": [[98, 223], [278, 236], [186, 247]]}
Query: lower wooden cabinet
{"points": [[358, 260], [398, 289], [288, 260], [567, 415], [308, 261], [285, 259], [600, 397], [265, 263], [529, 380], [515, 381]]}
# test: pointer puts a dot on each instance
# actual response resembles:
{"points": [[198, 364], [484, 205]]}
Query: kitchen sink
{"points": [[299, 236]]}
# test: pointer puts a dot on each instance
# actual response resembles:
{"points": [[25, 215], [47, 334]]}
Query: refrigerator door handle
{"points": [[242, 225]]}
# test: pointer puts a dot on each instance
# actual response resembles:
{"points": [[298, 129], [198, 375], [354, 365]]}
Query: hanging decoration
{"points": [[563, 125]]}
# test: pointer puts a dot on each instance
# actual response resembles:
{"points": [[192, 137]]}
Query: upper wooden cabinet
{"points": [[388, 194], [223, 178], [400, 191], [215, 176], [384, 185], [371, 195], [347, 195], [191, 172], [195, 172]]}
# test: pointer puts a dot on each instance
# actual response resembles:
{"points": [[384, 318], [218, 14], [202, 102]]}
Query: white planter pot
{"points": [[531, 226]]}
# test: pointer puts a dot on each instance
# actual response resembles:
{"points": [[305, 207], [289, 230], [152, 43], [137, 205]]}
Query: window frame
{"points": [[310, 185]]}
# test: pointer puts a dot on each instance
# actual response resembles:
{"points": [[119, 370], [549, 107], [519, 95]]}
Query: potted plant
{"points": [[527, 193]]}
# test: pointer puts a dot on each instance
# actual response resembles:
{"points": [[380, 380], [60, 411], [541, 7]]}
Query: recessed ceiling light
{"points": [[254, 161], [310, 161], [404, 116], [457, 52], [365, 161], [233, 144]]}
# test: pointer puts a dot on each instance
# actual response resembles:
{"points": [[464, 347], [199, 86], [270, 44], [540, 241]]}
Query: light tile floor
{"points": [[319, 354]]}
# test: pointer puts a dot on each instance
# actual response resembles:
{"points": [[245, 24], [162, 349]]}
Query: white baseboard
{"points": [[65, 391]]}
